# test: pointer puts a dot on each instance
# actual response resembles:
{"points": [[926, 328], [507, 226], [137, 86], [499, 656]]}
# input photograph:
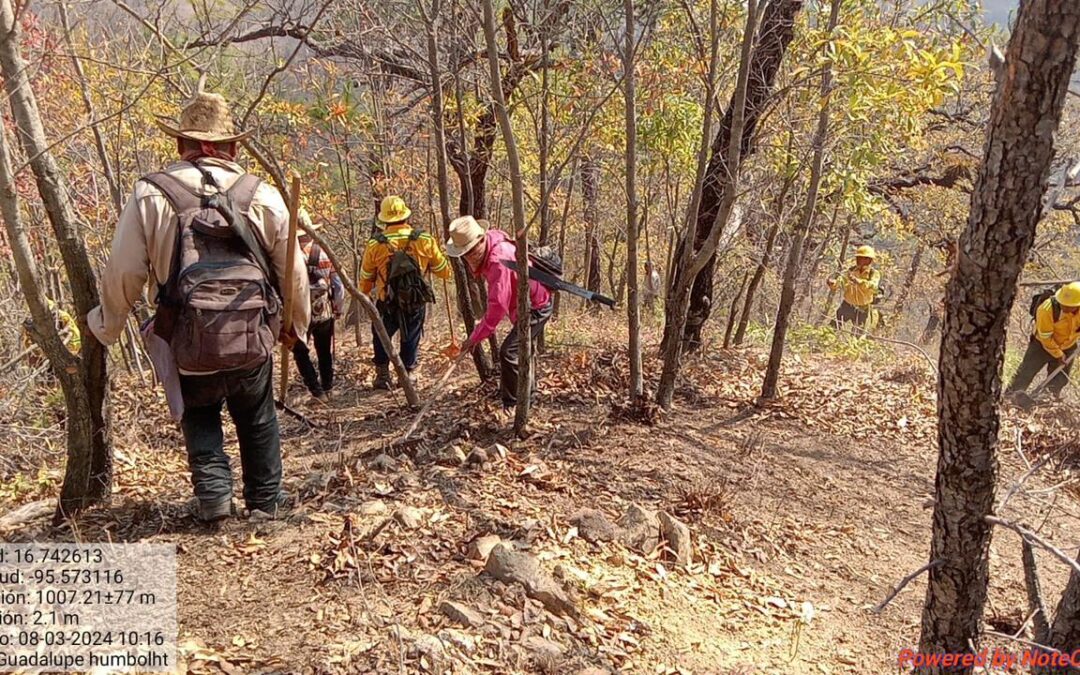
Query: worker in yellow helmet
{"points": [[1053, 340], [861, 284]]}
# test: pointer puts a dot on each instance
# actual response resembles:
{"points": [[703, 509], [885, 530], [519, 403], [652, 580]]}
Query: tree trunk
{"points": [[1005, 206], [755, 283], [524, 328], [461, 275], [733, 310], [791, 270], [88, 475], [590, 190], [1065, 633], [692, 263], [545, 132], [909, 280], [777, 31], [637, 387]]}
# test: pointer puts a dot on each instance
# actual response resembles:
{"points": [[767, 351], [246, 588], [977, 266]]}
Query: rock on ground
{"points": [[677, 536], [545, 652], [480, 548], [410, 518], [374, 507], [509, 566], [459, 613], [640, 529], [384, 462], [477, 458], [593, 526]]}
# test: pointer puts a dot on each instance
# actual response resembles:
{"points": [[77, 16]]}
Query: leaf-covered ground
{"points": [[804, 513]]}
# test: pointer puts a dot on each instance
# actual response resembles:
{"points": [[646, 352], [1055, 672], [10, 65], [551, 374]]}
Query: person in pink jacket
{"points": [[483, 250]]}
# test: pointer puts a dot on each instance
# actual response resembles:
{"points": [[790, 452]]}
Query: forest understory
{"points": [[803, 514]]}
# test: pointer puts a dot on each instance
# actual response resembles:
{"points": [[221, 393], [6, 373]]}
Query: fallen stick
{"points": [[434, 396], [933, 564], [1033, 538]]}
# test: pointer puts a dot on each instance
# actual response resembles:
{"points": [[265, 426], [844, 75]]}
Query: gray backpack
{"points": [[219, 309]]}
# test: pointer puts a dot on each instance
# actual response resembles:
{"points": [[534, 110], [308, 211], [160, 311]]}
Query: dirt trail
{"points": [[798, 531]]}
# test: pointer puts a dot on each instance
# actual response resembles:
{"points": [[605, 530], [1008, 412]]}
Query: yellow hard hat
{"points": [[393, 210], [866, 252], [1069, 295]]}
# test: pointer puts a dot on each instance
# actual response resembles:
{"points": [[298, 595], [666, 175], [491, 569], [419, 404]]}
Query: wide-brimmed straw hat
{"points": [[465, 233], [393, 211], [206, 117]]}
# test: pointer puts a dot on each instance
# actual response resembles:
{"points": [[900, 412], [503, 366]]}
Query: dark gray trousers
{"points": [[249, 396], [508, 355]]}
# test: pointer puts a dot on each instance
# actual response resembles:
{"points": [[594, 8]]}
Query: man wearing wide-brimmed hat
{"points": [[146, 240], [483, 249], [401, 291]]}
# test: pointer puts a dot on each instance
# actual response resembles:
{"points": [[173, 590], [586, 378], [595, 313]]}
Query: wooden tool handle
{"points": [[287, 282]]}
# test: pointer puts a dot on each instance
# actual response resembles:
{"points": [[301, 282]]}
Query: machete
{"points": [[556, 284]]}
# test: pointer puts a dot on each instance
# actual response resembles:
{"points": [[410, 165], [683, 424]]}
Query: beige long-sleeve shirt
{"points": [[146, 235]]}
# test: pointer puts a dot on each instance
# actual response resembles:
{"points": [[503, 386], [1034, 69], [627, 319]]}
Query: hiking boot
{"points": [[322, 397], [382, 378], [210, 512], [274, 511]]}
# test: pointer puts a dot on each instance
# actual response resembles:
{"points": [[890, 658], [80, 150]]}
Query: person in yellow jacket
{"points": [[860, 284], [401, 292], [1053, 340]]}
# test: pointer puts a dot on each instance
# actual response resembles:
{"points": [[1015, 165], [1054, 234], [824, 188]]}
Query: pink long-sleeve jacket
{"points": [[502, 284]]}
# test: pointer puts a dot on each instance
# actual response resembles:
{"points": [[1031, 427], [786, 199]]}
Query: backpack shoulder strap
{"points": [[181, 196], [1055, 307], [242, 192]]}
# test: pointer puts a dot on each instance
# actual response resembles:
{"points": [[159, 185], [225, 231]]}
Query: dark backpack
{"points": [[547, 259], [1042, 296], [219, 309], [322, 309], [406, 290]]}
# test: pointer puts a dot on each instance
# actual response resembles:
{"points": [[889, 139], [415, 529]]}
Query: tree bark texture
{"points": [[1005, 207], [88, 475], [777, 32]]}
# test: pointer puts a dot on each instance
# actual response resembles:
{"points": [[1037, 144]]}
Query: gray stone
{"points": [[640, 529], [677, 536], [384, 462], [477, 458], [316, 483], [456, 456], [509, 566], [458, 613], [593, 526], [408, 517], [546, 653]]}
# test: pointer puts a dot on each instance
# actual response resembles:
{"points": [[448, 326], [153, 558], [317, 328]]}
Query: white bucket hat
{"points": [[465, 233]]}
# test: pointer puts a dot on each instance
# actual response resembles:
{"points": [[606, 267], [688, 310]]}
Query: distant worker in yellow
{"points": [[861, 284], [1053, 339]]}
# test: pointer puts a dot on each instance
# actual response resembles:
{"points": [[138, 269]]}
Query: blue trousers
{"points": [[411, 328]]}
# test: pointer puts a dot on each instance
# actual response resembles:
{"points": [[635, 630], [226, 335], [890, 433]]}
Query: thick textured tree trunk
{"points": [[777, 31], [1005, 207], [590, 190], [88, 475], [1065, 633], [791, 270]]}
